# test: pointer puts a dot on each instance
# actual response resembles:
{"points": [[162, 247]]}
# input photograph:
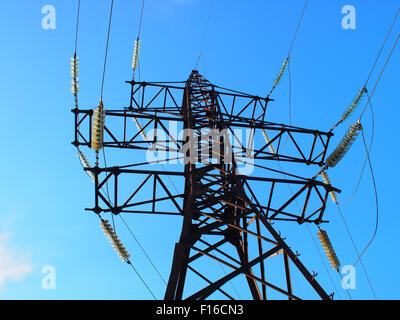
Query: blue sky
{"points": [[44, 190]]}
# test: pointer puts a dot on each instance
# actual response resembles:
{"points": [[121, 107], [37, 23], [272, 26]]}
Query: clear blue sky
{"points": [[44, 191]]}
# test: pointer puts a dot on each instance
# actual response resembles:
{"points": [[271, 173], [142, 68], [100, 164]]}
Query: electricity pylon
{"points": [[227, 215]]}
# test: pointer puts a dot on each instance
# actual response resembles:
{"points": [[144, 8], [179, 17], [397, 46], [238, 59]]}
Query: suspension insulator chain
{"points": [[281, 72], [327, 181], [354, 104], [85, 164], [266, 138], [328, 248], [98, 127], [344, 145], [140, 129], [74, 75], [135, 57], [113, 238]]}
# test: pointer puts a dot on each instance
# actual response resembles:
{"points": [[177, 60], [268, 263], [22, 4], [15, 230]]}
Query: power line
{"points": [[204, 34], [133, 235], [368, 154], [356, 250], [106, 54], [373, 67], [129, 229], [380, 75], [376, 198], [140, 20], [290, 94], [143, 250], [286, 62], [140, 277], [77, 26], [312, 238], [382, 47], [298, 27], [75, 60], [321, 258], [366, 159]]}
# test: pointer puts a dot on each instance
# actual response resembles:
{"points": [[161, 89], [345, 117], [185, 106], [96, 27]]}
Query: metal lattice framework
{"points": [[224, 218]]}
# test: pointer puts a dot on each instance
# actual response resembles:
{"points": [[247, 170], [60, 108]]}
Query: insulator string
{"points": [[311, 236], [366, 159], [331, 254], [328, 248], [356, 101], [98, 122], [298, 207], [121, 250], [344, 145], [99, 116], [74, 77], [75, 61], [136, 48], [350, 109], [268, 141], [114, 240], [327, 181], [319, 254], [130, 229], [355, 249], [85, 164]]}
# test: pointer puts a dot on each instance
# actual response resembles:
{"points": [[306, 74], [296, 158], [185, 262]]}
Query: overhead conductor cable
{"points": [[285, 63], [74, 70]]}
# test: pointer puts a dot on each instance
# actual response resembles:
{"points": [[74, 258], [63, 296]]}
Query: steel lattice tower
{"points": [[224, 219]]}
